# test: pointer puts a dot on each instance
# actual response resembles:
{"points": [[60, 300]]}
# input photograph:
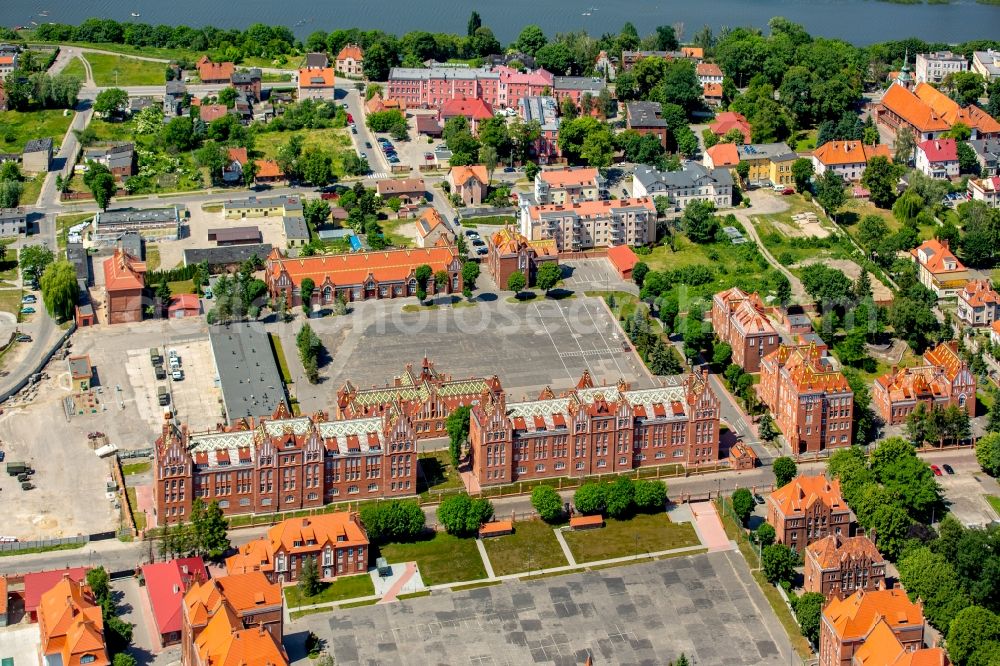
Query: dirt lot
{"points": [[806, 226], [194, 399], [196, 234], [853, 271]]}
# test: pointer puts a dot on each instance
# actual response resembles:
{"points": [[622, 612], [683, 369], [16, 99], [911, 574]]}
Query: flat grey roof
{"points": [[79, 366], [13, 213], [226, 254], [645, 114], [586, 83], [248, 374], [289, 203], [230, 234], [428, 73], [295, 228], [541, 108], [137, 216], [77, 255], [38, 145]]}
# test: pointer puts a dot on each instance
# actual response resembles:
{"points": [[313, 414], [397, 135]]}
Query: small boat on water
{"points": [[136, 14]]}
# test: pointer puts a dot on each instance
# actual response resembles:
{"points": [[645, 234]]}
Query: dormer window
{"points": [[88, 659], [297, 544]]}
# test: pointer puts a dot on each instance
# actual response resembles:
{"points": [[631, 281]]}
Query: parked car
{"points": [[508, 169], [368, 144], [428, 156], [949, 469], [27, 310], [350, 118], [478, 242], [2, 456], [24, 338], [28, 299], [472, 233], [936, 470], [787, 191], [393, 159], [481, 251], [177, 375], [758, 498], [354, 130]]}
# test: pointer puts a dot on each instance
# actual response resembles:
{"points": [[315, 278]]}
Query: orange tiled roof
{"points": [[881, 647], [338, 528], [6, 60], [708, 69], [238, 155], [913, 110], [724, 155], [806, 369], [224, 642], [268, 169], [215, 71], [71, 624], [833, 549], [429, 220], [240, 592], [944, 106], [712, 90], [317, 78], [210, 112], [933, 656], [569, 176], [978, 293], [123, 272], [856, 616], [803, 491], [460, 175], [251, 556], [351, 51], [849, 152], [945, 356], [692, 52], [508, 240], [623, 258], [470, 107], [354, 268], [940, 258]]}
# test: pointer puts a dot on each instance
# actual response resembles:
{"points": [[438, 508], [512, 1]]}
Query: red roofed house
{"points": [[939, 269], [215, 72], [848, 159], [811, 401], [71, 626], [943, 380], [124, 282], [978, 303], [469, 183], [729, 120], [712, 92], [317, 84], [623, 259], [875, 628], [362, 276], [351, 61], [38, 583], [807, 509], [836, 566], [268, 171], [708, 72], [233, 171], [740, 320], [986, 190], [166, 585], [431, 229], [938, 158], [210, 112], [722, 156], [184, 305], [930, 113], [509, 251], [337, 541], [473, 109]]}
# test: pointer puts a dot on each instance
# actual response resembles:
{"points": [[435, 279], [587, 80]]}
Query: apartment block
{"points": [[587, 224]]}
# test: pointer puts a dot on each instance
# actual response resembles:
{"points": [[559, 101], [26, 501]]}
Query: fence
{"points": [[127, 508], [136, 453], [42, 361], [19, 546]]}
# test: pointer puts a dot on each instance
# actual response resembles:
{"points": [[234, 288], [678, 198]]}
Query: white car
{"points": [[177, 375]]}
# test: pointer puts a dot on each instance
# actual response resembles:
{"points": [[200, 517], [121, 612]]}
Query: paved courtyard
{"points": [[965, 494], [641, 614]]}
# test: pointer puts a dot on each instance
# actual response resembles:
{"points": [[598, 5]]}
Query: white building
{"points": [[985, 189], [694, 182], [938, 158], [848, 159], [13, 221], [986, 64], [933, 67]]}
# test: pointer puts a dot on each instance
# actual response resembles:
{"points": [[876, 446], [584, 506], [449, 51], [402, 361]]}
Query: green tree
{"points": [[743, 504], [309, 583], [904, 145], [699, 221], [210, 527], [547, 502], [650, 495], [639, 272], [100, 584], [530, 40], [475, 23], [722, 354], [227, 97], [881, 177], [461, 515], [891, 525], [124, 659], [620, 497], [784, 470], [802, 173], [60, 289], [516, 282], [830, 192], [764, 535], [808, 609], [103, 188], [988, 452], [394, 520], [547, 276], [931, 577], [973, 633], [766, 429], [457, 426], [470, 273], [306, 289], [590, 498], [111, 101], [778, 562]]}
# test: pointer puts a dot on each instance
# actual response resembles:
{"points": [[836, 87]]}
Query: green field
{"points": [[619, 538], [8, 267], [436, 472], [532, 546], [347, 587], [441, 559], [76, 68], [334, 140], [390, 228], [113, 70], [32, 188], [132, 469], [19, 127], [10, 301]]}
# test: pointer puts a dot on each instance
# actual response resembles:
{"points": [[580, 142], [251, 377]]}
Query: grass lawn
{"points": [[32, 187], [442, 559], [390, 228], [347, 587], [803, 141], [644, 533], [181, 287], [8, 266], [136, 468], [64, 222], [279, 353], [147, 51], [532, 546], [112, 131], [137, 515], [10, 301], [113, 70], [855, 209], [19, 127], [76, 68], [437, 472], [153, 257], [334, 140], [994, 502]]}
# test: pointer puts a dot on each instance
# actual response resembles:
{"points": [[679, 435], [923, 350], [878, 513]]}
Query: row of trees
{"points": [[620, 498], [205, 534], [239, 296], [310, 350], [38, 90]]}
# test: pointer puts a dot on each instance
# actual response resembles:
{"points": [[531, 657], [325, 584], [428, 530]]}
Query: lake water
{"points": [[858, 21]]}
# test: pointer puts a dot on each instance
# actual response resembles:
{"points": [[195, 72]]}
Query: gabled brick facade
{"points": [[740, 320], [807, 509], [943, 380]]}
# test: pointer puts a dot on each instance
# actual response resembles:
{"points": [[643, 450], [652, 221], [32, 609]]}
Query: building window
{"points": [[223, 504], [88, 659], [244, 501]]}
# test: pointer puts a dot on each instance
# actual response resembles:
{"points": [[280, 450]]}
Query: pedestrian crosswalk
{"points": [[378, 175]]}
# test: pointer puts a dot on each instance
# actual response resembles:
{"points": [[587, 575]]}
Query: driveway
{"points": [[766, 203]]}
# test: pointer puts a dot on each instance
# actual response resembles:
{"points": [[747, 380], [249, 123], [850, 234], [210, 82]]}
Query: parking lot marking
{"points": [[545, 328], [569, 328], [604, 318]]}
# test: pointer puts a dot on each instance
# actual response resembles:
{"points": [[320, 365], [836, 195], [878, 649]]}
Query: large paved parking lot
{"points": [[528, 345], [705, 606], [194, 399]]}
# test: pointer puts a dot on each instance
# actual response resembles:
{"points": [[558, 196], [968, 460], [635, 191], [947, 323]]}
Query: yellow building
{"points": [[283, 206], [770, 164]]}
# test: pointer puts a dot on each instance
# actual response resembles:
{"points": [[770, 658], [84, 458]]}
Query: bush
{"points": [[808, 609], [547, 503], [590, 498], [461, 515], [784, 470], [764, 535], [395, 520]]}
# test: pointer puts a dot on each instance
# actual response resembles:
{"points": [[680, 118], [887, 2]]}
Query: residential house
{"points": [[807, 509], [988, 155], [545, 111], [838, 565], [740, 319], [605, 66], [13, 221], [473, 109], [316, 61], [986, 190], [509, 251], [713, 94], [166, 584], [318, 84], [933, 67], [248, 82], [978, 303], [938, 158], [929, 113], [124, 282], [337, 542], [646, 118], [378, 104], [351, 61], [943, 380], [587, 224], [810, 399], [709, 72], [38, 583], [174, 94], [232, 173], [8, 62], [939, 269], [986, 64], [210, 112], [426, 125], [770, 164], [695, 53], [215, 72], [847, 159], [230, 620], [576, 87], [722, 156], [362, 275], [565, 185], [71, 626], [875, 627], [280, 206], [469, 183], [406, 189], [136, 104], [500, 87], [728, 121], [37, 155], [568, 435], [693, 182], [268, 171], [432, 229], [119, 158]]}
